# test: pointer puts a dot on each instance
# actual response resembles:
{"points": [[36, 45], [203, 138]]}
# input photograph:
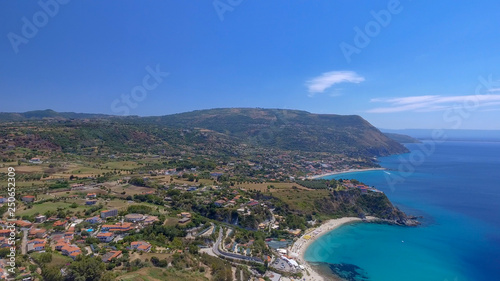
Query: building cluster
{"points": [[67, 236], [364, 188], [240, 248], [267, 166]]}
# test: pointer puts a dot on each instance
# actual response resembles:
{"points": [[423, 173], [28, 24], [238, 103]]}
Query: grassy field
{"points": [[123, 204], [300, 199], [42, 208], [156, 274], [166, 179], [80, 171], [120, 204], [162, 210], [128, 189], [277, 186], [121, 165], [171, 221], [62, 194], [22, 184], [25, 169], [116, 204], [148, 256], [64, 171], [58, 260]]}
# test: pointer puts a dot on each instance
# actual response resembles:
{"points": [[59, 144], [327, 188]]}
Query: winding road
{"points": [[218, 252]]}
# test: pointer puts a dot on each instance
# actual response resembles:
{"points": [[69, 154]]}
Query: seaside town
{"points": [[194, 205], [232, 140], [114, 221]]}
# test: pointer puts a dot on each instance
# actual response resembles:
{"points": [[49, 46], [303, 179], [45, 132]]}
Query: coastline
{"points": [[345, 172], [300, 246]]}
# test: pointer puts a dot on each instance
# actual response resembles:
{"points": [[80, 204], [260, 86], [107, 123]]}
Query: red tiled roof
{"points": [[34, 231], [114, 254], [118, 227], [36, 241], [22, 223], [60, 223]]}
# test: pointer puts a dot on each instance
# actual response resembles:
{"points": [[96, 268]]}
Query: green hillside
{"points": [[291, 130], [219, 130]]}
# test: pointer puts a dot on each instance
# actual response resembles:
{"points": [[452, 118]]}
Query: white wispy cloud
{"points": [[328, 79], [433, 103]]}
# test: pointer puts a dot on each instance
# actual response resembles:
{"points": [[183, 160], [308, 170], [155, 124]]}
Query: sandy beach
{"points": [[345, 171], [300, 246]]}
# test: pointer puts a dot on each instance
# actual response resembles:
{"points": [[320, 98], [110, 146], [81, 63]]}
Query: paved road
{"points": [[208, 232], [216, 251], [273, 220], [94, 234]]}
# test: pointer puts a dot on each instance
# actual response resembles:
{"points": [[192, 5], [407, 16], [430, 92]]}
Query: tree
{"points": [[51, 273], [193, 249], [260, 268], [108, 276], [154, 260], [45, 257], [86, 269], [177, 243], [4, 251]]}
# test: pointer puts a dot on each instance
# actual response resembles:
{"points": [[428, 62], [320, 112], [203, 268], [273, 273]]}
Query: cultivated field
{"points": [[157, 274], [49, 206], [276, 186]]}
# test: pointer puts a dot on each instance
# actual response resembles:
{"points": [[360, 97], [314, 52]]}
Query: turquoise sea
{"points": [[455, 186]]}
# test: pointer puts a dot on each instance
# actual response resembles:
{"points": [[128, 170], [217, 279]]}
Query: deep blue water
{"points": [[456, 187]]}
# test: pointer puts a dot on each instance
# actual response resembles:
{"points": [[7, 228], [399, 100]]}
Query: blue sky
{"points": [[398, 64]]}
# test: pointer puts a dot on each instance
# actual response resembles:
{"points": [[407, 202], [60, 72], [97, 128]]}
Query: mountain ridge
{"points": [[282, 129], [48, 113], [291, 129]]}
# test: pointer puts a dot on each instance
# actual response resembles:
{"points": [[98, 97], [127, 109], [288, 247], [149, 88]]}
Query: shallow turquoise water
{"points": [[457, 191]]}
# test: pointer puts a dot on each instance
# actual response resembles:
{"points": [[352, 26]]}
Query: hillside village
{"points": [[102, 222], [179, 203]]}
